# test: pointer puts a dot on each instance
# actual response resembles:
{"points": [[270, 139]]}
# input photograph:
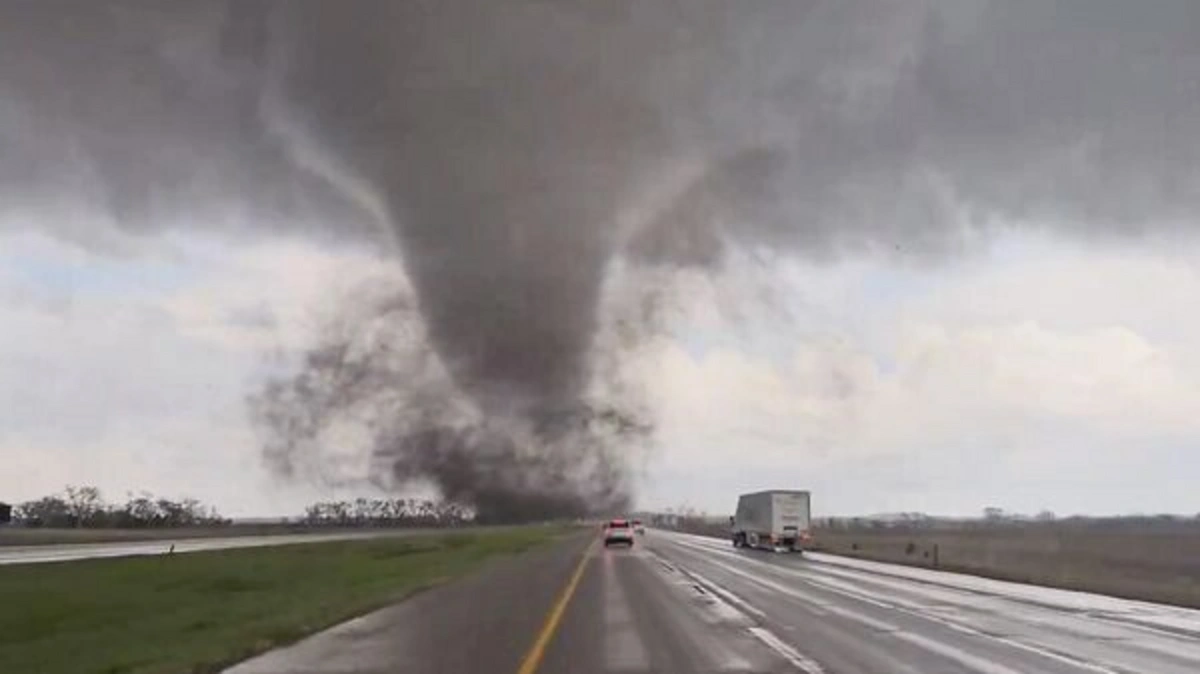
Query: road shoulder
{"points": [[485, 622]]}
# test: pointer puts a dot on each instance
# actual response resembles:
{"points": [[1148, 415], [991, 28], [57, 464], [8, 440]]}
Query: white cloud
{"points": [[954, 388], [1031, 375], [132, 374], [270, 295]]}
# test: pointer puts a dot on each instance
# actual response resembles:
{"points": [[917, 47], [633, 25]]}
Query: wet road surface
{"points": [[679, 603], [40, 554]]}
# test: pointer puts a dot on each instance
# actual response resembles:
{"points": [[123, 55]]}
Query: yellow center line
{"points": [[536, 652]]}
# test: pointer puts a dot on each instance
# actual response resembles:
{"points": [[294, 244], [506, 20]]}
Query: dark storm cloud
{"points": [[1080, 116], [143, 113], [1085, 111], [514, 150]]}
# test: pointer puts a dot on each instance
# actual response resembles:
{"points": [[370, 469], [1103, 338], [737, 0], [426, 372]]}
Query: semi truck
{"points": [[776, 519]]}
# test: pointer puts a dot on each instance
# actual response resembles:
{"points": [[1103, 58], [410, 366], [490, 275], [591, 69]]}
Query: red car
{"points": [[618, 531]]}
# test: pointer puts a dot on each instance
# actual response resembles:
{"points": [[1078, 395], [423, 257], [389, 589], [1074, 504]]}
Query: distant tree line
{"points": [[387, 512], [85, 507]]}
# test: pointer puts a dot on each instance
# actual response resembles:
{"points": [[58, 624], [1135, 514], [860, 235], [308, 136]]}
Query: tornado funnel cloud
{"points": [[525, 162]]}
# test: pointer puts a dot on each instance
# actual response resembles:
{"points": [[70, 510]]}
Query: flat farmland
{"points": [[1157, 564]]}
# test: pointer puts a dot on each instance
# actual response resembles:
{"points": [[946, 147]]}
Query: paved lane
{"points": [[483, 624], [628, 613], [684, 604], [851, 616], [635, 612], [39, 554]]}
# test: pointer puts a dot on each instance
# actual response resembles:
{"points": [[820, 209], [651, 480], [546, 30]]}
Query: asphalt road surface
{"points": [[40, 554], [683, 604]]}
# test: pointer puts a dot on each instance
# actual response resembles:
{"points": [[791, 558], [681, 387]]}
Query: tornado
{"points": [[535, 169]]}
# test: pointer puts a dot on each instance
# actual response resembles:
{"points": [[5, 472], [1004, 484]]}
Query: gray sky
{"points": [[933, 256]]}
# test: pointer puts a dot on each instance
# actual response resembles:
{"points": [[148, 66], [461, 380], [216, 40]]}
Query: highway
{"points": [[680, 603], [41, 554]]}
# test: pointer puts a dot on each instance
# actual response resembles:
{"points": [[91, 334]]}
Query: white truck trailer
{"points": [[777, 520]]}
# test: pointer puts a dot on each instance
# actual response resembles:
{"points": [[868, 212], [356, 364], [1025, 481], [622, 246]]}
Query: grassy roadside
{"points": [[199, 612]]}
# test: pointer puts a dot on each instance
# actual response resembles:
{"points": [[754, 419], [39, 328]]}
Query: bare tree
{"points": [[48, 511], [386, 512], [84, 504]]}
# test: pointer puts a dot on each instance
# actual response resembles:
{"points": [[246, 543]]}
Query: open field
{"points": [[201, 611], [1157, 566]]}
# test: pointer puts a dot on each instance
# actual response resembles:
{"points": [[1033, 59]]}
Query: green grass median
{"points": [[199, 612]]}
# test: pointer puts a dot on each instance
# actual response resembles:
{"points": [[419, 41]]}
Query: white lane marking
{"points": [[1169, 621], [715, 651], [623, 647], [813, 605], [716, 592], [915, 610], [712, 587], [716, 612], [833, 587], [1083, 627], [794, 657], [727, 595], [920, 612], [960, 656]]}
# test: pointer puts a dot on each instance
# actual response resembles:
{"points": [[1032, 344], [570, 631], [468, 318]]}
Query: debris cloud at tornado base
{"points": [[539, 168]]}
